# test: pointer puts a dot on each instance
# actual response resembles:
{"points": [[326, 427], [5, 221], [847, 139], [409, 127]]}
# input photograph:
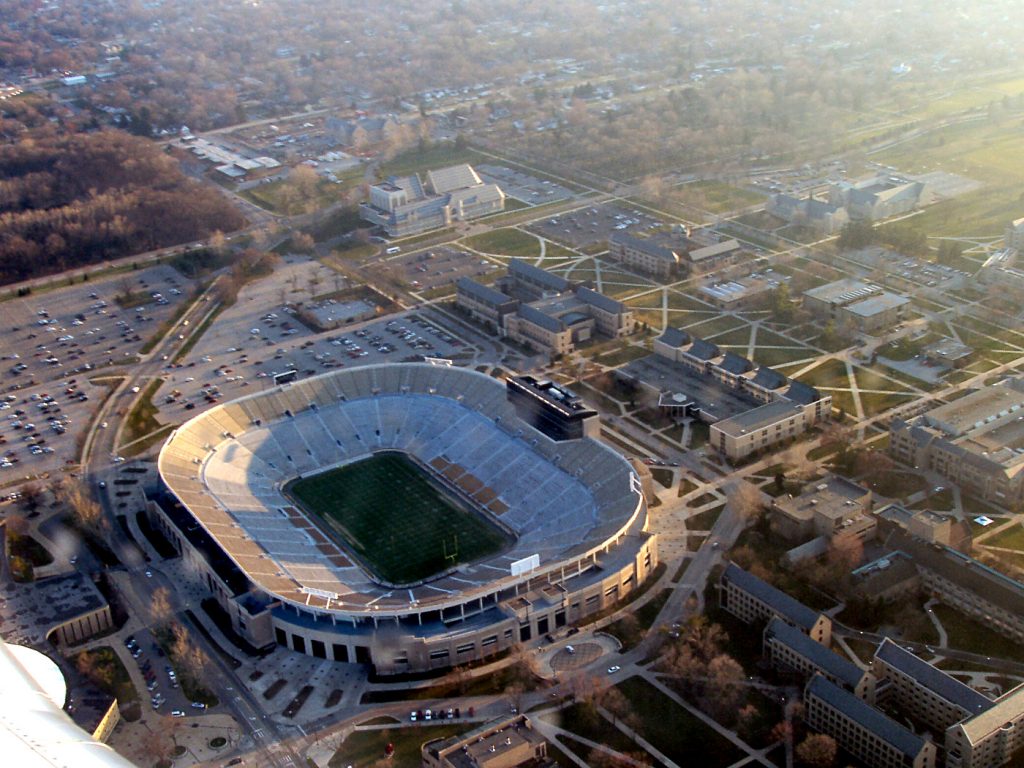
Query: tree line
{"points": [[78, 199]]}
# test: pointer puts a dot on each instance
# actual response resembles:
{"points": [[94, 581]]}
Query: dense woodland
{"points": [[73, 200]]}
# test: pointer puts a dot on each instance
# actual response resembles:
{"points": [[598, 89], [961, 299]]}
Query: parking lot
{"points": [[82, 328], [522, 186], [913, 273], [230, 359], [55, 350], [439, 266], [587, 226]]}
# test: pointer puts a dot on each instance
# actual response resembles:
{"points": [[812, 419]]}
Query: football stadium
{"points": [[402, 516]]}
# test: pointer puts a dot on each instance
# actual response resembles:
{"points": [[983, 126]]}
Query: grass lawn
{"points": [[507, 242], [29, 549], [403, 543], [875, 402], [672, 730], [775, 356], [706, 328], [142, 419], [663, 476], [367, 747], [428, 158], [627, 354], [737, 337], [715, 196], [279, 197], [831, 373], [969, 635], [584, 721], [678, 300], [704, 521], [897, 484], [1011, 538]]}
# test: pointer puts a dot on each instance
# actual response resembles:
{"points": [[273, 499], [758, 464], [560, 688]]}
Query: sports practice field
{"points": [[399, 524]]}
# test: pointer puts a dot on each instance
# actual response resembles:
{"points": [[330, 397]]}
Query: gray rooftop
{"points": [[757, 418], [675, 337], [599, 300], [779, 602], [522, 268], [645, 245], [842, 291], [804, 394], [704, 350], [990, 585], [483, 292], [735, 364], [932, 678], [538, 318], [769, 378], [829, 662], [711, 251], [885, 728], [874, 305]]}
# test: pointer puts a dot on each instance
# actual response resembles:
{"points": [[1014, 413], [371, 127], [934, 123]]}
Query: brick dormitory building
{"points": [[964, 728], [544, 311], [779, 408]]}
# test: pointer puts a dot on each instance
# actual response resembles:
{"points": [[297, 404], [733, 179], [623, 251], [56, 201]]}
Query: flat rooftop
{"points": [[876, 305], [758, 418], [842, 291], [832, 496], [973, 411]]}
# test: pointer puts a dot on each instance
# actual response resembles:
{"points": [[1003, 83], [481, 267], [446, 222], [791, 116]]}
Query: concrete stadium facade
{"points": [[575, 504]]}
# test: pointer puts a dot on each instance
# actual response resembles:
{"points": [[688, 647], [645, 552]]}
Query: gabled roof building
{"points": [[869, 735], [750, 598]]}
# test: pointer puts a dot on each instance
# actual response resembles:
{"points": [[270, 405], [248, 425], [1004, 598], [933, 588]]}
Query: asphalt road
{"points": [[97, 464]]}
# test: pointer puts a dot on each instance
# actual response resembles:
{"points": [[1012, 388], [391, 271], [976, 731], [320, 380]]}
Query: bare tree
{"points": [[818, 750], [31, 496], [313, 283], [515, 693], [16, 526], [85, 510], [188, 654], [615, 703], [745, 499], [798, 466], [218, 243], [723, 690], [124, 288], [160, 610]]}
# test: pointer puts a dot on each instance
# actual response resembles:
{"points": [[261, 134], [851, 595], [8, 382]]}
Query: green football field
{"points": [[401, 526]]}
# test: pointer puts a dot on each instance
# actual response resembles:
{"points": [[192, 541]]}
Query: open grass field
{"points": [[672, 730], [367, 747], [506, 242], [386, 511], [988, 151], [278, 198]]}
